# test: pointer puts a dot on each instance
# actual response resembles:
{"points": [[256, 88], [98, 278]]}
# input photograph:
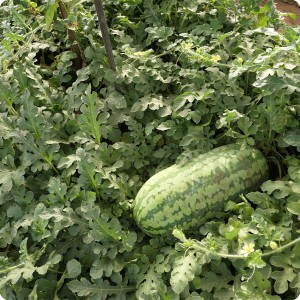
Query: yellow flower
{"points": [[143, 53], [215, 58], [240, 60], [273, 245], [247, 249], [186, 46]]}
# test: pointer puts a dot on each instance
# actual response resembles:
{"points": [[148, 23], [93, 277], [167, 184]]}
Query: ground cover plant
{"points": [[190, 76]]}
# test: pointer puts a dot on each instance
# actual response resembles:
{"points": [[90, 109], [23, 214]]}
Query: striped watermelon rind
{"points": [[186, 195]]}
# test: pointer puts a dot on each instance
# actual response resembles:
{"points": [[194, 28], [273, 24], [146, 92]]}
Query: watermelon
{"points": [[187, 195]]}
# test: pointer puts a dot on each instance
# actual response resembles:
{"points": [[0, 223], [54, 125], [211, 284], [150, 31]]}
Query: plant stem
{"points": [[11, 268], [105, 34], [106, 38], [194, 244], [294, 242], [79, 61]]}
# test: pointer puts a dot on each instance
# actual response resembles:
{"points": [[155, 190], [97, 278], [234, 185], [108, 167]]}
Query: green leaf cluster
{"points": [[74, 151]]}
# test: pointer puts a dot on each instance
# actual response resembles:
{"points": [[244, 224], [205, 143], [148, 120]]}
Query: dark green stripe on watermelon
{"points": [[187, 195]]}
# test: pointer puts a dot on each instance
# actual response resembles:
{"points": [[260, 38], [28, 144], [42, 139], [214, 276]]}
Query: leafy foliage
{"points": [[192, 75]]}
